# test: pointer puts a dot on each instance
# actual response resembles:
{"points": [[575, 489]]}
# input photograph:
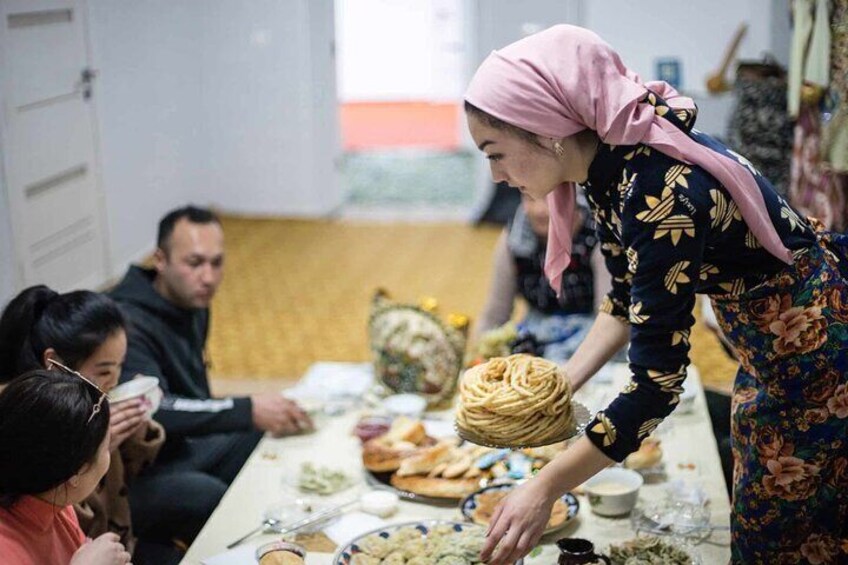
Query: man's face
{"points": [[192, 265]]}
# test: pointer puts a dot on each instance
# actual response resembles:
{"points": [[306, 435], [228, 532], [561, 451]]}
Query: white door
{"points": [[49, 144]]}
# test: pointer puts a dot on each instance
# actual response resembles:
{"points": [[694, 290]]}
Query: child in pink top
{"points": [[54, 449]]}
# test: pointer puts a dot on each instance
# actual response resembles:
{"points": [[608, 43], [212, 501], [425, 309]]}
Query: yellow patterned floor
{"points": [[298, 291]]}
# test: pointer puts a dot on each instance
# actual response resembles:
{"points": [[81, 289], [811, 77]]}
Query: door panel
{"points": [[49, 145]]}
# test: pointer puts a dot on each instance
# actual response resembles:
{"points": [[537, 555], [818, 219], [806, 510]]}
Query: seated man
{"points": [[208, 439]]}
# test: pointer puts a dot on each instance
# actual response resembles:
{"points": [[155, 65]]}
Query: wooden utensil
{"points": [[717, 82]]}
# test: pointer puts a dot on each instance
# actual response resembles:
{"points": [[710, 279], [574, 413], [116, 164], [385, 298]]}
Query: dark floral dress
{"points": [[669, 230]]}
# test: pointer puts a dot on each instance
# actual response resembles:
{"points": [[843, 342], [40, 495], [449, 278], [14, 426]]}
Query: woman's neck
{"points": [[588, 143]]}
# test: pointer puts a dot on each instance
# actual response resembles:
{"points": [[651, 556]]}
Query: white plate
{"points": [[345, 553]]}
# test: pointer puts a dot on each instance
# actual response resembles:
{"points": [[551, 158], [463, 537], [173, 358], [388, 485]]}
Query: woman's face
{"points": [[104, 365], [535, 170]]}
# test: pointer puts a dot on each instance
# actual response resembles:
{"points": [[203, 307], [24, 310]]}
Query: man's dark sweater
{"points": [[168, 342]]}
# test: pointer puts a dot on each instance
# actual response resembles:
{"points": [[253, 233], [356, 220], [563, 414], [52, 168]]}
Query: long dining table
{"points": [[691, 462]]}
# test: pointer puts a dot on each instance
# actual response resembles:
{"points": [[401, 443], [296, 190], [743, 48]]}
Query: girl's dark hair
{"points": [[501, 125], [75, 324], [45, 433]]}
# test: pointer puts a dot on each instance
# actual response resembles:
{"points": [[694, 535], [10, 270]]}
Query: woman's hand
{"points": [[125, 419], [105, 550], [520, 519], [518, 523]]}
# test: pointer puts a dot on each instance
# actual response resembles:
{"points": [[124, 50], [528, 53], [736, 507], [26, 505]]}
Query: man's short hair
{"points": [[191, 213]]}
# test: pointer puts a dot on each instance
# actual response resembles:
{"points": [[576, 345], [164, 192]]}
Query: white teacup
{"points": [[143, 387], [613, 491]]}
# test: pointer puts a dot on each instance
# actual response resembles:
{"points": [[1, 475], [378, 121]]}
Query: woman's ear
{"points": [[49, 355], [559, 150], [74, 481]]}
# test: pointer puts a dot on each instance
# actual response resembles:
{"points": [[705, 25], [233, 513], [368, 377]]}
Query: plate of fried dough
{"points": [[517, 402], [480, 506]]}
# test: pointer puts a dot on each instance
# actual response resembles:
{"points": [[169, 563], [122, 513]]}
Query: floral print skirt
{"points": [[790, 410]]}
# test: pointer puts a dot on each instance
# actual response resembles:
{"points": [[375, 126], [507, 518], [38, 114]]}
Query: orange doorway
{"points": [[396, 124]]}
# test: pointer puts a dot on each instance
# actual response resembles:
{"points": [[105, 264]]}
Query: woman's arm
{"points": [[521, 518], [502, 290], [607, 335]]}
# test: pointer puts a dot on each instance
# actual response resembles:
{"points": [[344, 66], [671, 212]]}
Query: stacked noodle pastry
{"points": [[515, 401]]}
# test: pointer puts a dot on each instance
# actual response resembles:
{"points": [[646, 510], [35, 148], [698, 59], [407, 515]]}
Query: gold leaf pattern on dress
{"points": [[676, 276], [708, 270], [734, 287], [652, 99], [684, 115], [626, 184], [668, 382], [648, 427], [632, 260], [795, 221], [641, 150], [612, 248], [614, 308], [636, 316], [599, 216], [661, 110], [615, 223], [751, 241], [675, 226], [680, 336], [605, 428], [631, 386], [676, 176], [724, 210], [658, 208]]}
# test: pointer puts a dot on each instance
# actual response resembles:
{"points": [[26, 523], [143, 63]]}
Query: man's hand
{"points": [[125, 419], [274, 413], [105, 550]]}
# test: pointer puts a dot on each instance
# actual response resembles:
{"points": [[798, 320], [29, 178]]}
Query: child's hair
{"points": [[47, 431], [75, 324]]}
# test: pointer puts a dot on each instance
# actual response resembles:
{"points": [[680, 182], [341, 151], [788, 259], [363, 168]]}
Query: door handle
{"points": [[86, 82]]}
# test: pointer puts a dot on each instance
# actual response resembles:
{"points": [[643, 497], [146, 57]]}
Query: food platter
{"points": [[424, 541], [566, 510], [383, 481]]}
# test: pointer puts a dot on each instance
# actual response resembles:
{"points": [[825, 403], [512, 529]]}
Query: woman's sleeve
{"points": [[617, 301], [139, 453], [664, 236]]}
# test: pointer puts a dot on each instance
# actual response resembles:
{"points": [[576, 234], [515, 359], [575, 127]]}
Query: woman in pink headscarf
{"points": [[678, 213]]}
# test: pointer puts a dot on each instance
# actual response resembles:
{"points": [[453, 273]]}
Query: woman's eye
{"points": [[494, 157]]}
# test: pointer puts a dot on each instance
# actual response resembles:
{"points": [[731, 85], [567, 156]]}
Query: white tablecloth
{"points": [[689, 447]]}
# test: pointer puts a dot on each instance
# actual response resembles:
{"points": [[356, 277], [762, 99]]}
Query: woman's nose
{"points": [[498, 174]]}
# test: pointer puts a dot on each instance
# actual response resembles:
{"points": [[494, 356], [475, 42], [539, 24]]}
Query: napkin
{"points": [[328, 380], [351, 525]]}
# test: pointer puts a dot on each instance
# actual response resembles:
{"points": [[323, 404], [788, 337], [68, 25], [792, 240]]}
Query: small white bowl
{"points": [[410, 405], [139, 387], [379, 503], [613, 491]]}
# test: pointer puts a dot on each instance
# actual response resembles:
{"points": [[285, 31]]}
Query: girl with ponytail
{"points": [[85, 332]]}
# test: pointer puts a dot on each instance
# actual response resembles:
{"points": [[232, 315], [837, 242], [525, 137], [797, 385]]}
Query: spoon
{"points": [[266, 525]]}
